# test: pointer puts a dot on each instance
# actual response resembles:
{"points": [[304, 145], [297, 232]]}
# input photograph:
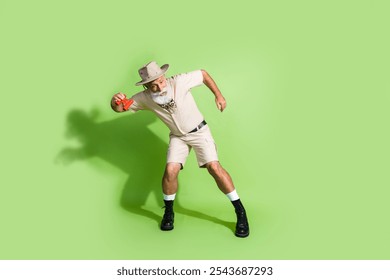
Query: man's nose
{"points": [[161, 86]]}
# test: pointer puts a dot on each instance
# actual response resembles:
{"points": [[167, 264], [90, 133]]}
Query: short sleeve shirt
{"points": [[186, 115]]}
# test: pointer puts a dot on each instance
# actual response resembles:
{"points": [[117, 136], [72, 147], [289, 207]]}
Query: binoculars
{"points": [[126, 103]]}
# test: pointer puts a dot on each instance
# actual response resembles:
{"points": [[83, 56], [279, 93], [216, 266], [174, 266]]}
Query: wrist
{"points": [[218, 95]]}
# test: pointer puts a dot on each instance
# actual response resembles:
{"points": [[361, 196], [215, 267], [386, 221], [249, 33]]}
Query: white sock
{"points": [[233, 195], [169, 196]]}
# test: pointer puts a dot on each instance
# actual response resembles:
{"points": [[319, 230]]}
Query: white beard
{"points": [[161, 97]]}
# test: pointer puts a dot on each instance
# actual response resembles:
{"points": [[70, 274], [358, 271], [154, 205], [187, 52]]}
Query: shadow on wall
{"points": [[128, 144]]}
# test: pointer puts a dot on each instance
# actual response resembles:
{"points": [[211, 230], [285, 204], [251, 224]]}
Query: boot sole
{"points": [[242, 235], [166, 229]]}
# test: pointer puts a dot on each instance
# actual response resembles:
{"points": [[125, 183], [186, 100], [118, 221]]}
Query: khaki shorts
{"points": [[201, 141]]}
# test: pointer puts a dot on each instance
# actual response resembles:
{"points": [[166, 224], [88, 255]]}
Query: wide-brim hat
{"points": [[151, 72]]}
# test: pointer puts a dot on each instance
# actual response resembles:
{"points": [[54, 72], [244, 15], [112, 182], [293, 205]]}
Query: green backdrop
{"points": [[305, 135]]}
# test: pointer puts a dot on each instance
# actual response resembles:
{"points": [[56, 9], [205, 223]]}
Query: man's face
{"points": [[158, 84]]}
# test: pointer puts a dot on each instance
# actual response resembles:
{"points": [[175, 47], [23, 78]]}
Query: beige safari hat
{"points": [[150, 72]]}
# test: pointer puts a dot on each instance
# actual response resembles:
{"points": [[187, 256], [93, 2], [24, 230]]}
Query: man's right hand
{"points": [[117, 97]]}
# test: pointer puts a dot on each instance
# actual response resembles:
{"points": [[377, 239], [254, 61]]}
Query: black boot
{"points": [[242, 226], [168, 218]]}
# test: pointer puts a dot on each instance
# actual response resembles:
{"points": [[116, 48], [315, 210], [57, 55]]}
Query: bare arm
{"points": [[209, 82]]}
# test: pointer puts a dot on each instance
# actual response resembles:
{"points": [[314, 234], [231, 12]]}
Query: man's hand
{"points": [[117, 97], [221, 103]]}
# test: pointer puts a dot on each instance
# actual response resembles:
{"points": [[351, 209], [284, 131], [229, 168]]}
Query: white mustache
{"points": [[162, 92], [161, 97]]}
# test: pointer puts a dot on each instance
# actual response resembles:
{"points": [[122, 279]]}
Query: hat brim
{"points": [[164, 69]]}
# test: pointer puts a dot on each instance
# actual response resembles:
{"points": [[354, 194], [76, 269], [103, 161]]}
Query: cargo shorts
{"points": [[201, 141]]}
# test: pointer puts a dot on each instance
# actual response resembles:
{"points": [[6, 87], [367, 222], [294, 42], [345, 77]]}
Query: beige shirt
{"points": [[185, 116]]}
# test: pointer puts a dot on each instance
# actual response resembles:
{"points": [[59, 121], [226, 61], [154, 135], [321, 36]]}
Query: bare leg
{"points": [[169, 186], [221, 176], [169, 181], [225, 184]]}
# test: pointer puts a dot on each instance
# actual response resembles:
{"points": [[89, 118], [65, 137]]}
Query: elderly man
{"points": [[171, 100]]}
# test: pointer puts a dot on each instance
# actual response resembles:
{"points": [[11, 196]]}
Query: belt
{"points": [[202, 124]]}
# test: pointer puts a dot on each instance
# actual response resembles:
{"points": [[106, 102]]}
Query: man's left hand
{"points": [[221, 103]]}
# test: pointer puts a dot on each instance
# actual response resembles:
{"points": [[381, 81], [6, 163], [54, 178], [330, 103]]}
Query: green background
{"points": [[305, 135]]}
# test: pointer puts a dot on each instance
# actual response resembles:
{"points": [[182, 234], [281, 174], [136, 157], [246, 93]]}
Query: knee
{"points": [[171, 171], [214, 168]]}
